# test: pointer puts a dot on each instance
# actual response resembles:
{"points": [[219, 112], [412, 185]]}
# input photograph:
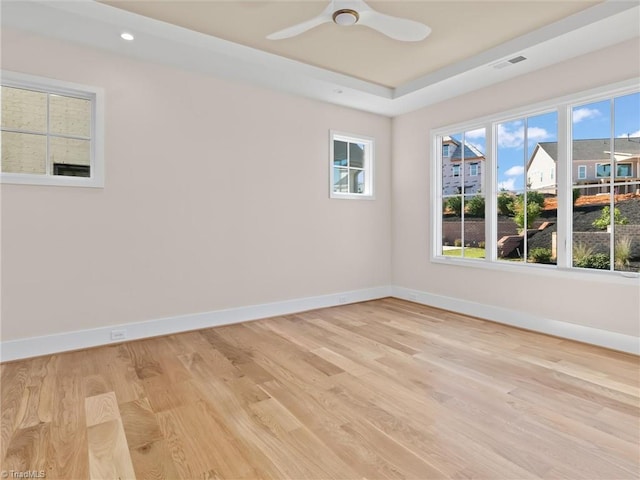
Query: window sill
{"points": [[50, 180], [620, 278], [351, 196]]}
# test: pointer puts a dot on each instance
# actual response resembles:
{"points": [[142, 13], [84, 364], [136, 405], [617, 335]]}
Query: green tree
{"points": [[533, 212], [454, 204], [475, 206], [605, 218]]}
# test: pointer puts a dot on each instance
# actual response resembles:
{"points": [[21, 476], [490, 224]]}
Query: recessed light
{"points": [[126, 36]]}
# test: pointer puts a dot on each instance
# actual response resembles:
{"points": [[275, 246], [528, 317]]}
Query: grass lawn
{"points": [[469, 252]]}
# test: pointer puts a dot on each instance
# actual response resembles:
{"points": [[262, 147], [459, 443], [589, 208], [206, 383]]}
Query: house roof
{"points": [[595, 149], [470, 152]]}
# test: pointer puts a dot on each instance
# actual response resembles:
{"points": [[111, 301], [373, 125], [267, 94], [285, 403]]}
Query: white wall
{"points": [[216, 196], [594, 303]]}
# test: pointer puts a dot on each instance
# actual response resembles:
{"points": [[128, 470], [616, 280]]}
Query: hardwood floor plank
{"points": [[375, 390], [152, 461], [101, 408], [140, 423], [109, 456], [27, 449]]}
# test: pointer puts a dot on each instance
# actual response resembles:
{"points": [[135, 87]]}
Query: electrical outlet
{"points": [[118, 334]]}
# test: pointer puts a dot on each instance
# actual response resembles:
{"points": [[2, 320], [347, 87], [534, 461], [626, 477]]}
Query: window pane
{"points": [[340, 153], [452, 226], [69, 151], [474, 221], [357, 181], [341, 180], [511, 184], [24, 109], [451, 175], [627, 231], [591, 145], [69, 116], [475, 142], [591, 222], [627, 133], [356, 155], [24, 153]]}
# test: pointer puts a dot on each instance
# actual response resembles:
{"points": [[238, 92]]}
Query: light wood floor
{"points": [[383, 389]]}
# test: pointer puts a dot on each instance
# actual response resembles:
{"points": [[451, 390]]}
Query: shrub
{"points": [[533, 212], [605, 218], [457, 242], [454, 204], [580, 251], [597, 260], [475, 206], [540, 255], [537, 198], [622, 253], [505, 204]]}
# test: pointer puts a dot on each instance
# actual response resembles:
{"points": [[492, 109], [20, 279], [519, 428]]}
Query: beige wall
{"points": [[593, 303], [216, 195]]}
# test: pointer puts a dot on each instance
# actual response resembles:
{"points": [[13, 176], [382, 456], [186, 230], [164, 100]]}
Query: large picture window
{"points": [[556, 185], [51, 132]]}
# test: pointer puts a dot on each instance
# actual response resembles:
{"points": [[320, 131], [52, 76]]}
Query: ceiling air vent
{"points": [[517, 59], [508, 63]]}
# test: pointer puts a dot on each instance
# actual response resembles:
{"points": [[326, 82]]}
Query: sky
{"points": [[589, 121]]}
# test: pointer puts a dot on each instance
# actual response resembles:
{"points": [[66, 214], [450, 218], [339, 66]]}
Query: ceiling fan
{"points": [[351, 12]]}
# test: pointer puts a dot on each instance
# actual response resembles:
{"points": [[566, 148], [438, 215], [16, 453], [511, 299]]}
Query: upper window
{"points": [[351, 168], [456, 170], [528, 207], [445, 150], [51, 132], [473, 170]]}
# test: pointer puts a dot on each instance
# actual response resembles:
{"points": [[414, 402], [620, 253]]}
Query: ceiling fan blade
{"points": [[324, 17], [397, 28]]}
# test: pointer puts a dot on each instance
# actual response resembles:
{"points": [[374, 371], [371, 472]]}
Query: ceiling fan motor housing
{"points": [[345, 17]]}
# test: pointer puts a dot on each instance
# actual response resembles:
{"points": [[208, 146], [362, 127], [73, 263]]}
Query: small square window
{"points": [[51, 132], [351, 172]]}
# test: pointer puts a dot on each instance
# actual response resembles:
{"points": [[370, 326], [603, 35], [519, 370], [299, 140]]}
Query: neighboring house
{"points": [[453, 170], [591, 163]]}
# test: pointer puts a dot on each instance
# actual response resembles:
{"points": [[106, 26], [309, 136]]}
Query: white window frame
{"points": [[455, 168], [368, 164], [473, 173], [563, 106], [58, 87], [445, 153], [582, 172]]}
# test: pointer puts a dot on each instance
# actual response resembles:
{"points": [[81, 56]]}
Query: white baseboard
{"points": [[62, 342], [572, 331]]}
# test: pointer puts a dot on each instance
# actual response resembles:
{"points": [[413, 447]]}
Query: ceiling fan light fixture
{"points": [[345, 17]]}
